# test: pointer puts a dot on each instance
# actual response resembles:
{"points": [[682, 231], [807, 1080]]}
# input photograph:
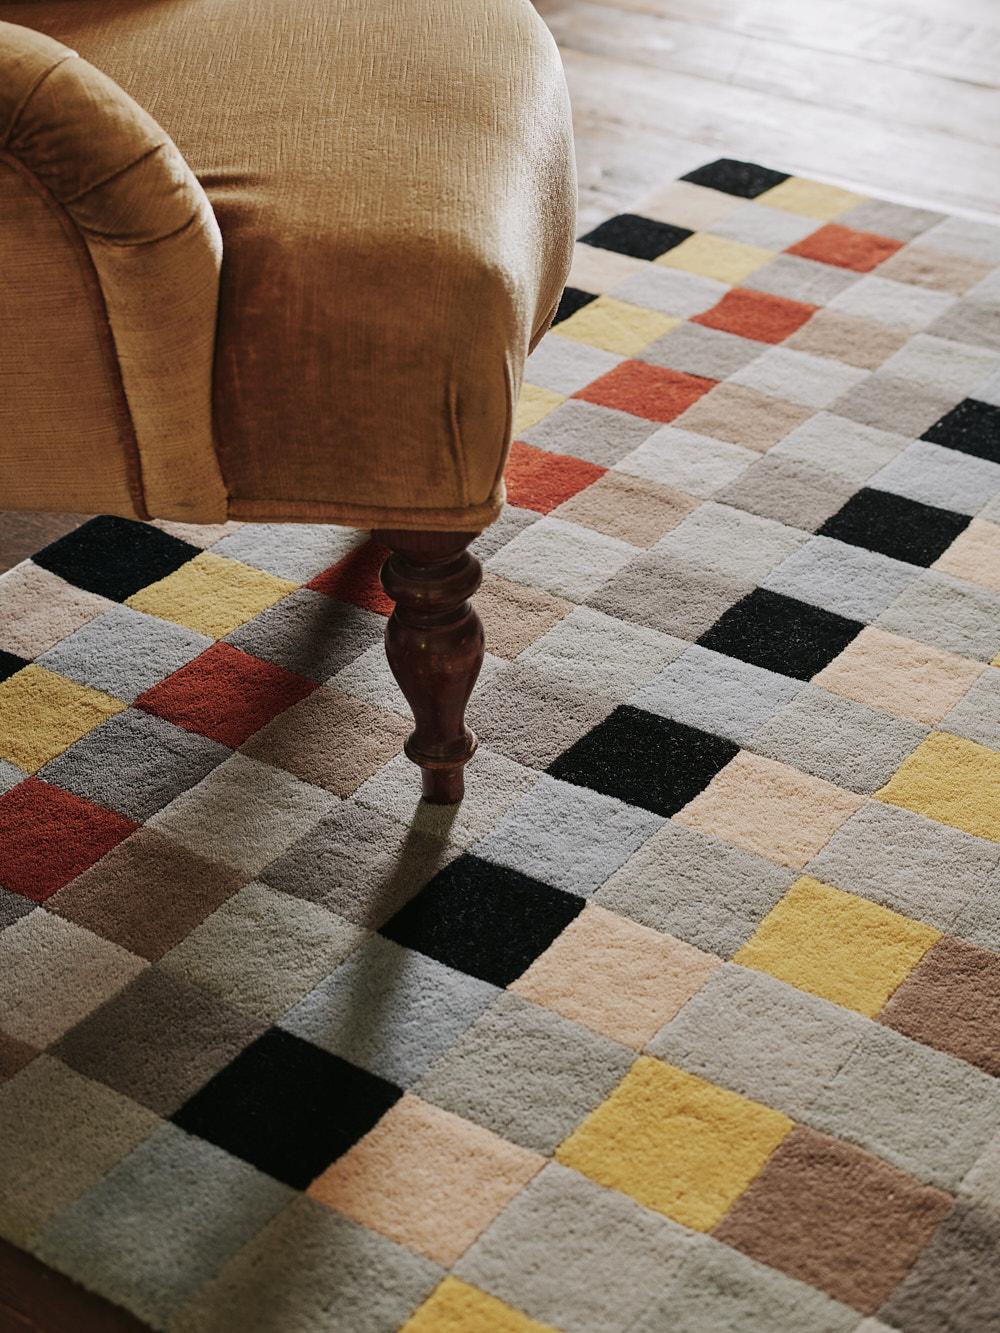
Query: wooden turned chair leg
{"points": [[434, 643]]}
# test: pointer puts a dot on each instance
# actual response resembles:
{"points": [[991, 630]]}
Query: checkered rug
{"points": [[689, 1017]]}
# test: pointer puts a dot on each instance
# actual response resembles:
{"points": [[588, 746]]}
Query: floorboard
{"points": [[22, 533]]}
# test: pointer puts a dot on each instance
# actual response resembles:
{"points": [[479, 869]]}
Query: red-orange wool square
{"points": [[49, 836], [646, 391], [355, 579], [539, 480], [860, 250], [225, 694], [749, 314]]}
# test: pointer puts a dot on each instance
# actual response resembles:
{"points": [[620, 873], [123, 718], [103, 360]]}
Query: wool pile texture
{"points": [[688, 1017]]}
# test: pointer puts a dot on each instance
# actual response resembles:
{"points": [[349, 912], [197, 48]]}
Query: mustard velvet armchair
{"points": [[283, 260]]}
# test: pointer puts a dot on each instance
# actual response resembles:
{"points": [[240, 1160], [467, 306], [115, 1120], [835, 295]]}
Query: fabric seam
{"points": [[15, 119], [113, 175]]}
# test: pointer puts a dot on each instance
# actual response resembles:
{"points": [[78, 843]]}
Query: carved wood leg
{"points": [[434, 643]]}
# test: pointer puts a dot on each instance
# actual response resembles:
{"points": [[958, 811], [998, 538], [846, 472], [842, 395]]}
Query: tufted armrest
{"points": [[93, 153]]}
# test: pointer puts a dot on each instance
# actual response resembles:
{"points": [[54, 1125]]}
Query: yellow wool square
{"points": [[952, 780], [615, 326], [811, 198], [455, 1307], [836, 945], [533, 404], [41, 713], [675, 1142], [211, 594], [716, 257]]}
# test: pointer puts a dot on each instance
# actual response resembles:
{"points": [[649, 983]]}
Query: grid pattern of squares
{"points": [[688, 1017]]}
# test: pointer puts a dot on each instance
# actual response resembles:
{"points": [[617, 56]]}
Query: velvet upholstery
{"points": [[393, 183]]}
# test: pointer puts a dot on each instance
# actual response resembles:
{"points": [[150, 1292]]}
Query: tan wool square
{"points": [[331, 739], [743, 416], [848, 338], [53, 973], [62, 1133], [924, 267], [636, 511], [514, 615]]}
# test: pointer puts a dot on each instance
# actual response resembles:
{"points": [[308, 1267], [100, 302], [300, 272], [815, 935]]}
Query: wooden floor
{"points": [[20, 534], [895, 96], [34, 1299], [901, 97]]}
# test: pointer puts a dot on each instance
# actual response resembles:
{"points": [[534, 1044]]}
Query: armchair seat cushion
{"points": [[393, 181]]}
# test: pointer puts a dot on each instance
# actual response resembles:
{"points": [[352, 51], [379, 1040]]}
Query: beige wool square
{"points": [[770, 809], [686, 204], [925, 267], [899, 675], [427, 1179], [975, 555], [40, 609], [597, 270], [615, 976]]}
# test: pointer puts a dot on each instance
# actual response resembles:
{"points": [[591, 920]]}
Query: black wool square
{"points": [[114, 557], [642, 238], [287, 1107], [781, 633], [895, 526], [972, 427], [10, 662], [484, 919], [572, 300], [746, 179], [644, 759]]}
